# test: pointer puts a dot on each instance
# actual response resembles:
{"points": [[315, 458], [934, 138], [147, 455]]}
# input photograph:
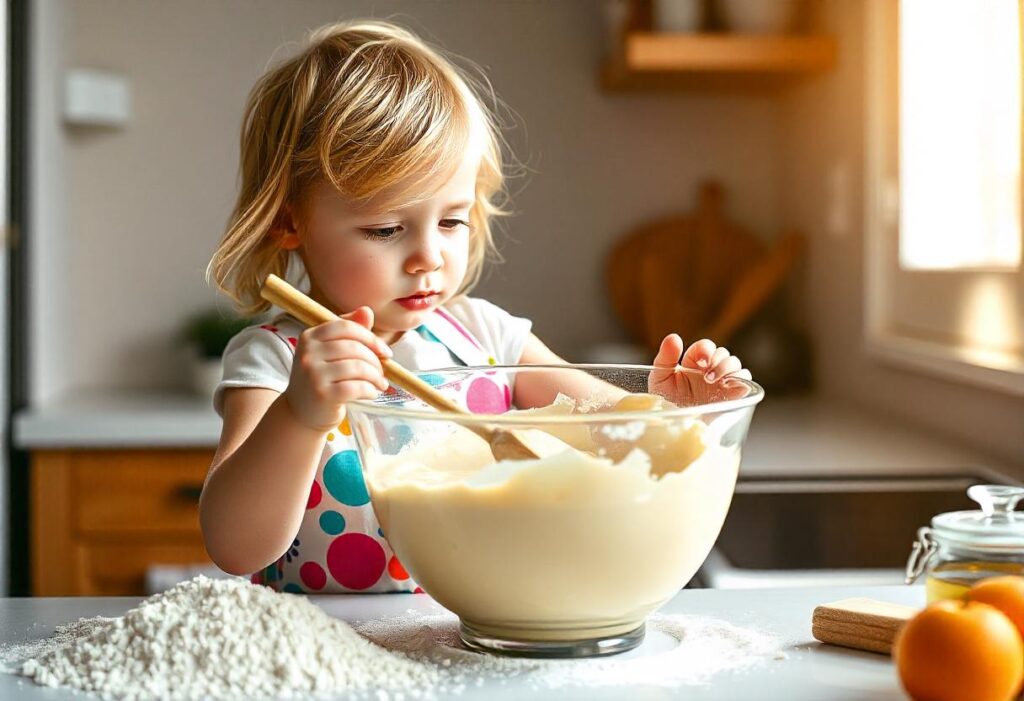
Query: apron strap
{"points": [[457, 338]]}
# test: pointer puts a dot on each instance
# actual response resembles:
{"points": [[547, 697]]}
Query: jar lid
{"points": [[995, 527]]}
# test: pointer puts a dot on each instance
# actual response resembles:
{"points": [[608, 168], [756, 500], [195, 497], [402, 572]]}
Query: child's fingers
{"points": [[346, 329], [352, 369], [727, 366], [717, 357], [698, 355], [332, 351], [360, 315], [356, 389], [669, 352]]}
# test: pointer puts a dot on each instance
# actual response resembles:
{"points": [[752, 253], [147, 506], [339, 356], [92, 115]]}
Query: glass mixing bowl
{"points": [[566, 555]]}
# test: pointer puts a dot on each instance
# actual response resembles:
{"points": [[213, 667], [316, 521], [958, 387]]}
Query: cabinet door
{"points": [[138, 492], [117, 569], [101, 519]]}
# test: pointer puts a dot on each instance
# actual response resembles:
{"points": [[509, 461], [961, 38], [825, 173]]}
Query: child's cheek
{"points": [[363, 279]]}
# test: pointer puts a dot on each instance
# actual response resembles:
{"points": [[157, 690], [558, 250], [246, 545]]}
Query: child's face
{"points": [[402, 263]]}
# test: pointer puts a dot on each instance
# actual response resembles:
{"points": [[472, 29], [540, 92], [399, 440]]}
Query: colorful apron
{"points": [[340, 547]]}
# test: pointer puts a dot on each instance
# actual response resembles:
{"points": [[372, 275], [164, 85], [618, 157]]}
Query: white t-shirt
{"points": [[255, 358]]}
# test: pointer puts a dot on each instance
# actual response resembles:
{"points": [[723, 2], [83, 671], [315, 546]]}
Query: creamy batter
{"points": [[573, 546]]}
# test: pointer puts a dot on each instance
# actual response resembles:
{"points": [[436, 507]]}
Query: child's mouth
{"points": [[418, 301]]}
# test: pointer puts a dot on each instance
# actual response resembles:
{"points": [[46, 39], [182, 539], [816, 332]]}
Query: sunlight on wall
{"points": [[960, 145]]}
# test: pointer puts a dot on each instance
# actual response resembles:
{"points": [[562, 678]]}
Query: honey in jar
{"points": [[961, 548]]}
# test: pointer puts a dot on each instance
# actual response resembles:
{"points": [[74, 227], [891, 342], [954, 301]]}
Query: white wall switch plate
{"points": [[96, 98]]}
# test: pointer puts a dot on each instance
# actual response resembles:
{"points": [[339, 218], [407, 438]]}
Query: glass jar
{"points": [[963, 547]]}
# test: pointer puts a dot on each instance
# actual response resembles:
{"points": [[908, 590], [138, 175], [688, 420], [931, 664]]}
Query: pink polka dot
{"points": [[313, 575], [315, 495], [268, 327], [485, 397], [293, 341], [418, 590], [508, 397], [356, 560]]}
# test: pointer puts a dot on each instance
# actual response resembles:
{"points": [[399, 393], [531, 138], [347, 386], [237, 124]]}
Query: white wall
{"points": [[824, 129], [146, 204]]}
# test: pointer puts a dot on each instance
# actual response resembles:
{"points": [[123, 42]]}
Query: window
{"points": [[959, 134], [944, 277]]}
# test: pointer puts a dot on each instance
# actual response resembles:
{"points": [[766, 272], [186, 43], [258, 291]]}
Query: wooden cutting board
{"points": [[860, 623], [755, 286], [679, 274]]}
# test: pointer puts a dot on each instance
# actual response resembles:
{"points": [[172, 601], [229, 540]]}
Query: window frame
{"points": [[884, 337]]}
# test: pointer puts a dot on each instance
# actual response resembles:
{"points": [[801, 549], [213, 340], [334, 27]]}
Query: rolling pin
{"points": [[861, 624]]}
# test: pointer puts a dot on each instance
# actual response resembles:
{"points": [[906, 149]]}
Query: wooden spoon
{"points": [[506, 444]]}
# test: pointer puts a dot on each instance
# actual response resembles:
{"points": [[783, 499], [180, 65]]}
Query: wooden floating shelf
{"points": [[657, 60]]}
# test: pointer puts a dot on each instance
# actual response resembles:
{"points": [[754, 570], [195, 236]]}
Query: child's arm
{"points": [[256, 491], [533, 390], [540, 389], [251, 503]]}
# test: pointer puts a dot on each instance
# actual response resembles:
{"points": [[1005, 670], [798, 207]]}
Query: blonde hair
{"points": [[368, 106]]}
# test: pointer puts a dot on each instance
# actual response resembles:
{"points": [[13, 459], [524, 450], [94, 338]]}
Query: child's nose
{"points": [[427, 256]]}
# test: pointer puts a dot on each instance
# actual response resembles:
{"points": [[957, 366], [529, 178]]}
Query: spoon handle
{"points": [[312, 313]]}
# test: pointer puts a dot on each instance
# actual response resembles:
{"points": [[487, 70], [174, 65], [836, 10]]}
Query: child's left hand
{"points": [[713, 367]]}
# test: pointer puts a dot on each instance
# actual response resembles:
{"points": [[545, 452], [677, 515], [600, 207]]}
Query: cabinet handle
{"points": [[190, 492]]}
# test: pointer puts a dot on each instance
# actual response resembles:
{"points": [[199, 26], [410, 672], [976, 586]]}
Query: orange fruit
{"points": [[960, 651], [1005, 593]]}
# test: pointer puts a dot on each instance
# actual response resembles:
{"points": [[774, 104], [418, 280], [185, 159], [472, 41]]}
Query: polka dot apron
{"points": [[340, 547]]}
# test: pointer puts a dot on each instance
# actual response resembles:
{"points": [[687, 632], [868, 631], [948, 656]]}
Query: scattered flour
{"points": [[228, 639], [698, 647], [62, 637]]}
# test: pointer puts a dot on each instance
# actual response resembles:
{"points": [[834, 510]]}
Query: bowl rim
{"points": [[377, 408]]}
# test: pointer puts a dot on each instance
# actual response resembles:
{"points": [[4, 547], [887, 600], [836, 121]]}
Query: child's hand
{"points": [[335, 363], [701, 375]]}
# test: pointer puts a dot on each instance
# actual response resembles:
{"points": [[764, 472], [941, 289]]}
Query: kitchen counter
{"points": [[795, 436], [119, 421], [788, 436], [808, 669]]}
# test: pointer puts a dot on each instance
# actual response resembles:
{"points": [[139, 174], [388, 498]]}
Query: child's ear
{"points": [[284, 230]]}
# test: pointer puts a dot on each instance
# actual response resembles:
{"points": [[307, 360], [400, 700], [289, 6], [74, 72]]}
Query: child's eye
{"points": [[382, 233], [453, 223]]}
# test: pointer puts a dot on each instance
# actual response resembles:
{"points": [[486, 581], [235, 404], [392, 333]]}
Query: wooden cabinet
{"points": [[100, 518]]}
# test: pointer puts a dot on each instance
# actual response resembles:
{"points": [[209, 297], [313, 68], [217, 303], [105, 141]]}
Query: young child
{"points": [[369, 156]]}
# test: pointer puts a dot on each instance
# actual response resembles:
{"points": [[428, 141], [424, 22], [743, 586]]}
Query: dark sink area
{"points": [[829, 528]]}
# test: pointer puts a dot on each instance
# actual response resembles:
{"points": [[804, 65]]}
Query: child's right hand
{"points": [[335, 363]]}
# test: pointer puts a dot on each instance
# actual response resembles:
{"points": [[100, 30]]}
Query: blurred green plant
{"points": [[210, 330]]}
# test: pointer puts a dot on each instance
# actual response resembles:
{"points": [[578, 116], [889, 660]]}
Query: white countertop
{"points": [[807, 670], [788, 436], [119, 421], [810, 435]]}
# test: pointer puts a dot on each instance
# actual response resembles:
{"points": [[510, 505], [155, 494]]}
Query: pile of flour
{"points": [[228, 639], [223, 639]]}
